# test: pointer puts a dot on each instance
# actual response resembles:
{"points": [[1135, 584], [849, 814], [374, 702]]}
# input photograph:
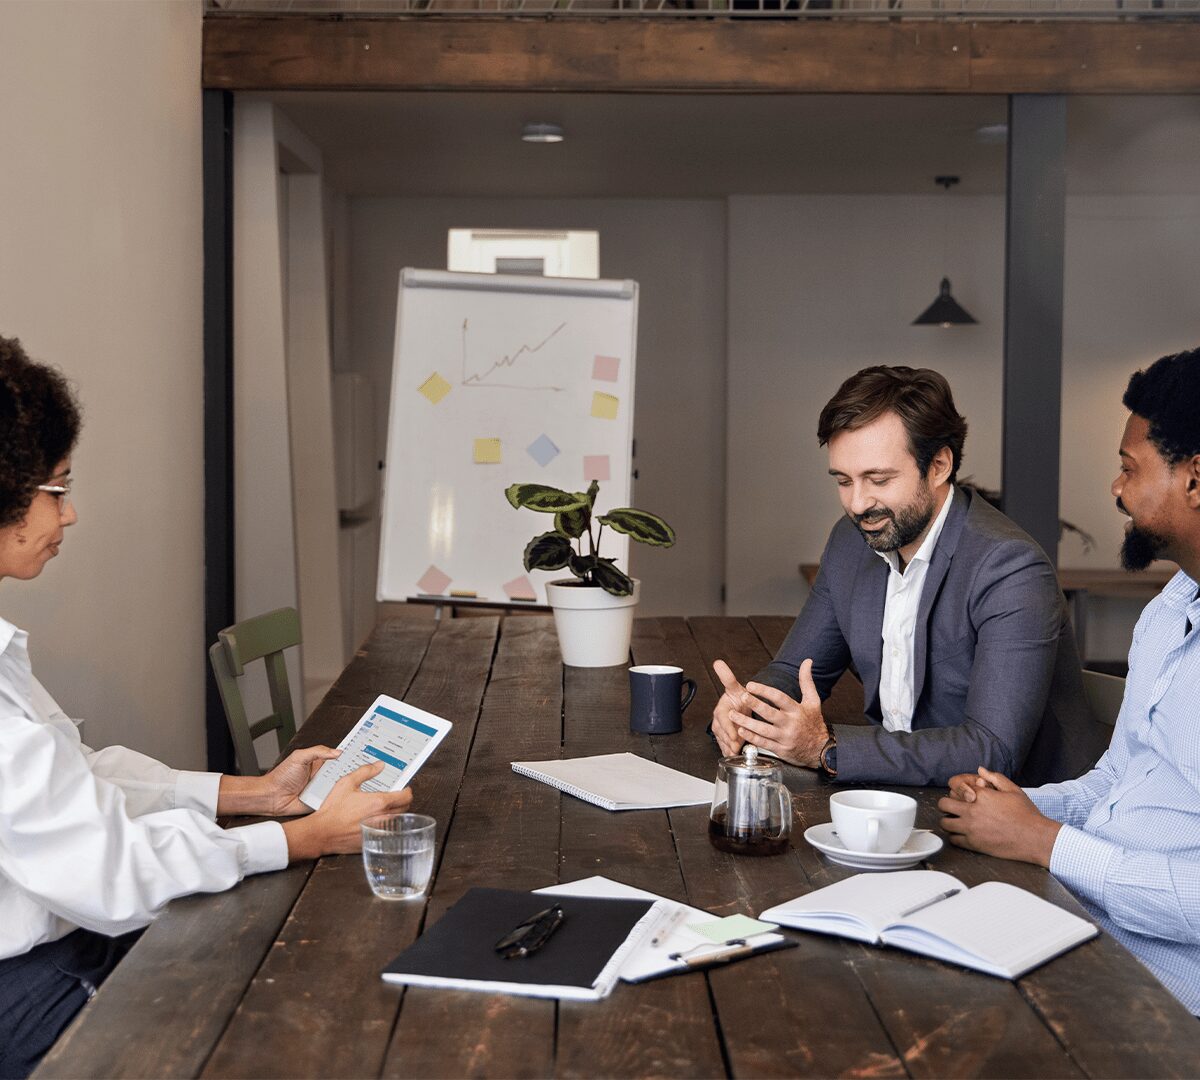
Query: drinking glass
{"points": [[397, 852]]}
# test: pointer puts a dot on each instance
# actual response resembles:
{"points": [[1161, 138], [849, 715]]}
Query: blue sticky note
{"points": [[542, 450]]}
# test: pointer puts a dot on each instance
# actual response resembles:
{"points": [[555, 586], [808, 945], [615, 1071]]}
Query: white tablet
{"points": [[399, 735]]}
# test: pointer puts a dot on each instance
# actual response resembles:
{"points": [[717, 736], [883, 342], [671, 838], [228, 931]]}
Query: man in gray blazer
{"points": [[948, 612]]}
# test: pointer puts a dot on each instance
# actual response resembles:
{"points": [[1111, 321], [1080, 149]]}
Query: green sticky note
{"points": [[730, 928]]}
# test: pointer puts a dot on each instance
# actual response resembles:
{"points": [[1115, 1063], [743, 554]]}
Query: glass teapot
{"points": [[751, 809]]}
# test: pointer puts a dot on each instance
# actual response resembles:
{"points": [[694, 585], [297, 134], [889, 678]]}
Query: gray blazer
{"points": [[997, 678]]}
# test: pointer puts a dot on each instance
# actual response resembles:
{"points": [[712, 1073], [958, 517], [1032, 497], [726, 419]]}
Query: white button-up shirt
{"points": [[897, 674], [1129, 847], [100, 839]]}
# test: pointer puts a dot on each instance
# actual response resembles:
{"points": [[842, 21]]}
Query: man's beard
{"points": [[1141, 547], [903, 527]]}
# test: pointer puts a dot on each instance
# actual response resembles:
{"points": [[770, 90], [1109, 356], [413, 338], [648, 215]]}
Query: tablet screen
{"points": [[388, 734]]}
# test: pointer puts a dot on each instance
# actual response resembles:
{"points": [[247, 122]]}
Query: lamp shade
{"points": [[944, 311]]}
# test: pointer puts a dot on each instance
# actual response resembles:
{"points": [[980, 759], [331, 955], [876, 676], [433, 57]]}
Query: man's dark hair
{"points": [[919, 396], [1167, 395], [39, 425]]}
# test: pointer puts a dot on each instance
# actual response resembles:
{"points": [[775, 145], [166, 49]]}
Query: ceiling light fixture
{"points": [[945, 310], [539, 132], [992, 134]]}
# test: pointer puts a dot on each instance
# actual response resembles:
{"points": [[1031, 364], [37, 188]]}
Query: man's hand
{"points": [[334, 829], [964, 785], [277, 793], [997, 818], [734, 702], [792, 730]]}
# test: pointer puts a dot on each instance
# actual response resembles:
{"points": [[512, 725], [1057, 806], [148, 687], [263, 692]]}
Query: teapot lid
{"points": [[748, 761]]}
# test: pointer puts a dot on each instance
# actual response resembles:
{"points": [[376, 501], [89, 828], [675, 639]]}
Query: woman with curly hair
{"points": [[94, 843]]}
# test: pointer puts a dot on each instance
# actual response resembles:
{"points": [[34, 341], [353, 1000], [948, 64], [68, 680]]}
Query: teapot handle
{"points": [[785, 811]]}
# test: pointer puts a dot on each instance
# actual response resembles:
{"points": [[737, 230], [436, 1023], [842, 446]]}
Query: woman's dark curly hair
{"points": [[39, 425], [1167, 394]]}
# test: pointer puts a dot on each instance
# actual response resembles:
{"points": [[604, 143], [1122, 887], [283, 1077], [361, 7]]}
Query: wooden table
{"points": [[280, 976]]}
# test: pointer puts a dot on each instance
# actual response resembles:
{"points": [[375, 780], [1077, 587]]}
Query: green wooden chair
{"points": [[262, 638], [1104, 694]]}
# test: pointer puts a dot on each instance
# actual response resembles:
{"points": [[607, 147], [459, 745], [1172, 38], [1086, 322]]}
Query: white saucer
{"points": [[919, 846]]}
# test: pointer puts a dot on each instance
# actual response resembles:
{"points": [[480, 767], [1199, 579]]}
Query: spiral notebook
{"points": [[619, 781]]}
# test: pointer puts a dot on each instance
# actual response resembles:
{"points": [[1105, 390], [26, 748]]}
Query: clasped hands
{"points": [[793, 730], [987, 812]]}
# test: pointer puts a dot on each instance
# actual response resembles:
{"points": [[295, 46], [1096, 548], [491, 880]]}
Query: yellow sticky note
{"points": [[434, 388], [487, 451], [604, 406]]}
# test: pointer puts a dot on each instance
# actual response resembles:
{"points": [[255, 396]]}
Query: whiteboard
{"points": [[500, 379]]}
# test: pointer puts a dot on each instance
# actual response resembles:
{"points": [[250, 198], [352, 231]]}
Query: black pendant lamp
{"points": [[945, 310]]}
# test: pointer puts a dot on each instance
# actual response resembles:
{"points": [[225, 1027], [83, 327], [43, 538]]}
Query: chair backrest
{"points": [[262, 638], [1104, 695]]}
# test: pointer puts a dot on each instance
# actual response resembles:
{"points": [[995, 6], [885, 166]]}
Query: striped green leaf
{"points": [[640, 525], [546, 500], [549, 551]]}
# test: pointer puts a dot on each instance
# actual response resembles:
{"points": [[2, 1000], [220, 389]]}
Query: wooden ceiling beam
{"points": [[315, 52]]}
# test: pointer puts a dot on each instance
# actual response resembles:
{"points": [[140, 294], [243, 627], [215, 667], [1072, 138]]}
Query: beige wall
{"points": [[100, 273]]}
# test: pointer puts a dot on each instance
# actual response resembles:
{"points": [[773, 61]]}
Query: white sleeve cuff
{"points": [[1050, 803], [197, 791], [1081, 862], [264, 847]]}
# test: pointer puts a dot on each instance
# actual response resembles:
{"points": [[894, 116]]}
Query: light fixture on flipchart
{"points": [[441, 521]]}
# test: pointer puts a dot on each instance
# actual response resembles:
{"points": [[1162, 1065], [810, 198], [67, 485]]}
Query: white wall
{"points": [[675, 250], [101, 274]]}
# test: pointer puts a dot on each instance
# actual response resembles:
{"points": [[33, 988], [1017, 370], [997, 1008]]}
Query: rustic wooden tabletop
{"points": [[280, 976]]}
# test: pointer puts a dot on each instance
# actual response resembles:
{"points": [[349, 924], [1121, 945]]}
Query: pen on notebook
{"points": [[664, 929], [929, 903]]}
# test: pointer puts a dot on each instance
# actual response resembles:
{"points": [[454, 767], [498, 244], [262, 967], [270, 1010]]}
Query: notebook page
{"points": [[626, 781], [994, 927], [862, 905]]}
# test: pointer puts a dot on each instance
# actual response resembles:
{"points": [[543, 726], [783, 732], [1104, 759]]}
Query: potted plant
{"points": [[593, 611]]}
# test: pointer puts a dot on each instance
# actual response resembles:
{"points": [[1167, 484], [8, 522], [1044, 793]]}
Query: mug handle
{"points": [[691, 693], [872, 833]]}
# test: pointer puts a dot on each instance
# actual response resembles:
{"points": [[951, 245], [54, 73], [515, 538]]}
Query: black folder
{"points": [[580, 961]]}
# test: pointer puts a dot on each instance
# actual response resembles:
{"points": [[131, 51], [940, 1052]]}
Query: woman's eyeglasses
{"points": [[61, 493]]}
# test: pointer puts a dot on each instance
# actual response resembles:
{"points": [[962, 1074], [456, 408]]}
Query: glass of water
{"points": [[397, 852]]}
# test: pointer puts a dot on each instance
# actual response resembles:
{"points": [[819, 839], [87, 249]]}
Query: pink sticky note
{"points": [[520, 589], [595, 467], [605, 368], [433, 582]]}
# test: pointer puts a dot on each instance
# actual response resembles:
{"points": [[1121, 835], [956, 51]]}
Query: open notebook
{"points": [[994, 928]]}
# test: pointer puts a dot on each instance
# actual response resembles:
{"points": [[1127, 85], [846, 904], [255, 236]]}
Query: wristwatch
{"points": [[828, 757]]}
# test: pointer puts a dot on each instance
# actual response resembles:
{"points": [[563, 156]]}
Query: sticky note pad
{"points": [[542, 450], [604, 406], [434, 388], [730, 928], [595, 467], [520, 588], [433, 582], [487, 451], [605, 368]]}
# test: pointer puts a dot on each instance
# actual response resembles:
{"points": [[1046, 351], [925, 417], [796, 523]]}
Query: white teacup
{"points": [[873, 821]]}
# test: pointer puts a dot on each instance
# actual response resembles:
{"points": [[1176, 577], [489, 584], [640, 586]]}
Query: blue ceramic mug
{"points": [[656, 699]]}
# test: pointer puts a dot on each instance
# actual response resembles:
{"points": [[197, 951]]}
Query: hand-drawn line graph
{"points": [[482, 379]]}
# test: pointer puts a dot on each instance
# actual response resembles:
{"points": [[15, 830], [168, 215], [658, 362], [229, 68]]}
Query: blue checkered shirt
{"points": [[1130, 843]]}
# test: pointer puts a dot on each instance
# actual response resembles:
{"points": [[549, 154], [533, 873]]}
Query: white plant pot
{"points": [[593, 626]]}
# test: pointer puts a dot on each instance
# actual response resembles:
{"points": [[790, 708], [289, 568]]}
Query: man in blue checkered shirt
{"points": [[1125, 837]]}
